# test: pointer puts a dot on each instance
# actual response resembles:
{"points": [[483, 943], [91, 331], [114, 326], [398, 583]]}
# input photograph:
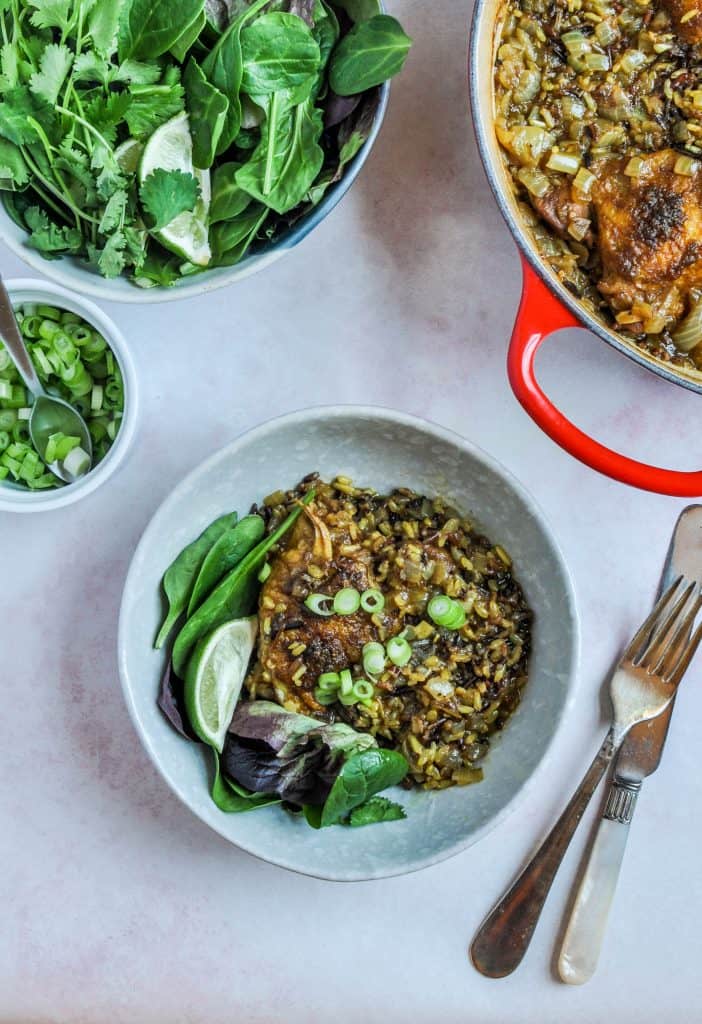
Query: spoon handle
{"points": [[503, 938], [14, 343]]}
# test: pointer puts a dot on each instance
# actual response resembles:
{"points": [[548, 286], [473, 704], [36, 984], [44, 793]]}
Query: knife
{"points": [[639, 757]]}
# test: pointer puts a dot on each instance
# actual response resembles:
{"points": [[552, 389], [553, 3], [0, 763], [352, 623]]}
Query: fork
{"points": [[642, 686]]}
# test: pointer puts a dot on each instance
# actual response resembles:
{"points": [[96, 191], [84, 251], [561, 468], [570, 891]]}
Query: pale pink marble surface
{"points": [[117, 905]]}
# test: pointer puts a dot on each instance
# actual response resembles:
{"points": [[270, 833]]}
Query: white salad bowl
{"points": [[71, 273], [382, 449], [14, 498]]}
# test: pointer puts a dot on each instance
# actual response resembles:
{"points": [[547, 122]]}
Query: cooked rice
{"points": [[459, 687]]}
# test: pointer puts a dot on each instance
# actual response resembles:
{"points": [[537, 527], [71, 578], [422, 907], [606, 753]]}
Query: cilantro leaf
{"points": [[110, 259], [54, 65], [89, 67], [135, 246], [165, 194], [152, 105], [138, 72], [102, 25], [13, 169], [106, 112], [53, 14], [110, 176], [46, 236], [9, 67], [17, 107], [158, 271], [375, 810], [113, 214]]}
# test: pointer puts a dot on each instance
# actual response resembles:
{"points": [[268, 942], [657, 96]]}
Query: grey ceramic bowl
{"points": [[382, 449]]}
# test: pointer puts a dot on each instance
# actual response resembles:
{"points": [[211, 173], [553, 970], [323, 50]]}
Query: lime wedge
{"points": [[171, 148], [214, 677], [128, 154]]}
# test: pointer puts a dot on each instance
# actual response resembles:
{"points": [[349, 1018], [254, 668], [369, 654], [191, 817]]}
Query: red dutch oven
{"points": [[547, 306]]}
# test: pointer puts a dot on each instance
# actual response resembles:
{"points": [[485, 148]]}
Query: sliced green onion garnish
{"points": [[439, 609], [363, 690], [399, 651], [319, 605], [324, 698], [5, 389], [373, 659], [24, 414], [458, 617], [65, 446], [372, 601], [96, 398], [347, 601], [345, 682], [329, 682], [264, 572], [77, 462]]}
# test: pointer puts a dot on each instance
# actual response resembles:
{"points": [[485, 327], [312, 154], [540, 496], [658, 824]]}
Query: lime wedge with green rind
{"points": [[170, 148], [214, 678]]}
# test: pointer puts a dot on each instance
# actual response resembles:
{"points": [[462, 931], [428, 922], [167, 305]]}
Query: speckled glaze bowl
{"points": [[382, 449]]}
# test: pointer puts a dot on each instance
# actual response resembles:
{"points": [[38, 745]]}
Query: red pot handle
{"points": [[540, 314]]}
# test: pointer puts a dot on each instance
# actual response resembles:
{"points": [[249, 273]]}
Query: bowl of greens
{"points": [[150, 151], [327, 659], [80, 356]]}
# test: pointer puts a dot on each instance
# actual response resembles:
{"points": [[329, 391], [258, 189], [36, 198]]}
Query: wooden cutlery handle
{"points": [[504, 936]]}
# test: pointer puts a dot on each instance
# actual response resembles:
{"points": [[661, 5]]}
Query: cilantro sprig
{"points": [[85, 84]]}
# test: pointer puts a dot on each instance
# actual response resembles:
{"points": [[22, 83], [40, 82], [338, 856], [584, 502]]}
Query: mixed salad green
{"points": [[74, 362], [157, 139], [263, 753]]}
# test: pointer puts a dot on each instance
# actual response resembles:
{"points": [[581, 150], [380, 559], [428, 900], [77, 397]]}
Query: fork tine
{"points": [[673, 633], [680, 668], [643, 634]]}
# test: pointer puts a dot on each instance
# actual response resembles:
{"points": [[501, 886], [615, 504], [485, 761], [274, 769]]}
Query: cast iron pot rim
{"points": [[527, 247]]}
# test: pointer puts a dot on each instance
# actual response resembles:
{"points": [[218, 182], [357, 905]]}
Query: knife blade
{"points": [[639, 757], [642, 750]]}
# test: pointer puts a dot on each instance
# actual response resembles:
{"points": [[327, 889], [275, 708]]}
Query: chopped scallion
{"points": [[347, 601], [319, 604], [372, 601], [399, 651]]}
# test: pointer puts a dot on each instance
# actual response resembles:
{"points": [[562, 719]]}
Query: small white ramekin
{"points": [[18, 499]]}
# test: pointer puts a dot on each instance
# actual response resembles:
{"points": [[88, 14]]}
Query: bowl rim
{"points": [[396, 418], [68, 273], [24, 289]]}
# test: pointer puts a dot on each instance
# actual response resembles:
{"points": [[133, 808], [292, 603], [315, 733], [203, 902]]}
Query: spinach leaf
{"points": [[233, 598], [278, 52], [359, 10], [352, 135], [231, 239], [235, 800], [187, 38], [377, 809], [371, 53], [224, 554], [151, 27], [360, 778], [326, 30], [228, 199], [207, 112], [179, 578], [224, 68], [286, 162]]}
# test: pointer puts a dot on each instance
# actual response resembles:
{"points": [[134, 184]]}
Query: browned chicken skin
{"points": [[649, 234], [687, 18], [330, 644]]}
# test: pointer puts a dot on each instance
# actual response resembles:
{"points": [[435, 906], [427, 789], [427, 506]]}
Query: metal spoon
{"points": [[50, 415]]}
